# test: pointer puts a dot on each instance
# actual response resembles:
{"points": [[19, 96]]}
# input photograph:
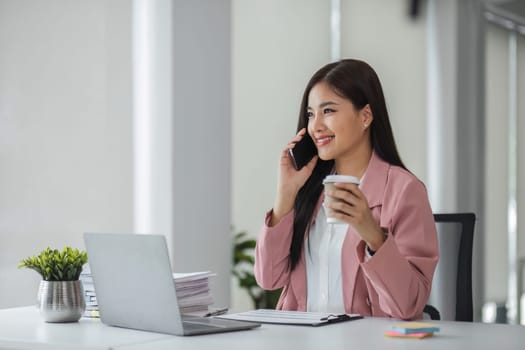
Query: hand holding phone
{"points": [[297, 153], [303, 151]]}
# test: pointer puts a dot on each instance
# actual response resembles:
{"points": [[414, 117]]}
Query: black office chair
{"points": [[452, 283]]}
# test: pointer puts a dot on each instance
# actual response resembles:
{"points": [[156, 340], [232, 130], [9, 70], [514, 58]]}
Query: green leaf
{"points": [[249, 244], [242, 270], [55, 265], [239, 258]]}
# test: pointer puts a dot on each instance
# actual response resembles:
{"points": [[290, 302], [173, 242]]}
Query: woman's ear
{"points": [[366, 116]]}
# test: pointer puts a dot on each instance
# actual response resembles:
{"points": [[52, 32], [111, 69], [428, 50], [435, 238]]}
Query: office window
{"points": [[505, 162]]}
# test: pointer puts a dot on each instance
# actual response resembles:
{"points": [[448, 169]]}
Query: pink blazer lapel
{"points": [[373, 187]]}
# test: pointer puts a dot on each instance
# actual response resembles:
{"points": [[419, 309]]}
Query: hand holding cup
{"points": [[329, 186]]}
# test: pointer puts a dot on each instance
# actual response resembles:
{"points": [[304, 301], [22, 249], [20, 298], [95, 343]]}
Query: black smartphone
{"points": [[303, 152]]}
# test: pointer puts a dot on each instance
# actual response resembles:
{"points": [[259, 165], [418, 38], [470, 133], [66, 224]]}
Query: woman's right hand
{"points": [[290, 180]]}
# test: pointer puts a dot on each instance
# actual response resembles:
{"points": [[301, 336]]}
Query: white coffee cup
{"points": [[328, 183]]}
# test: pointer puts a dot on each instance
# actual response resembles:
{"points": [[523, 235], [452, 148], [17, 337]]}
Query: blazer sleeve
{"points": [[401, 270], [272, 251]]}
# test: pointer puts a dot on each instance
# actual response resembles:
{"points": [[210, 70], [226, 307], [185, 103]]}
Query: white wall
{"points": [[65, 130], [381, 33]]}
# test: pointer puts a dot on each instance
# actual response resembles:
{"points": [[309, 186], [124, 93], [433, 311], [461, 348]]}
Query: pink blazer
{"points": [[395, 281]]}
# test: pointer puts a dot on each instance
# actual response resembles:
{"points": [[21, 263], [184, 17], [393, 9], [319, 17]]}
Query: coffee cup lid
{"points": [[341, 178]]}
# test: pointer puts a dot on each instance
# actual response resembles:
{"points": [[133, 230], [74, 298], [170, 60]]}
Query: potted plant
{"points": [[60, 294], [243, 262]]}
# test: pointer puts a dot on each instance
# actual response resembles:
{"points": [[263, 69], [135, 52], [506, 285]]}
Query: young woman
{"points": [[381, 262]]}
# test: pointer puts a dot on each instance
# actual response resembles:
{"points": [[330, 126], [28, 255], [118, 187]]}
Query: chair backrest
{"points": [[452, 284]]}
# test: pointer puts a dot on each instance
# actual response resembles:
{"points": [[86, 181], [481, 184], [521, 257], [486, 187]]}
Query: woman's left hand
{"points": [[350, 205]]}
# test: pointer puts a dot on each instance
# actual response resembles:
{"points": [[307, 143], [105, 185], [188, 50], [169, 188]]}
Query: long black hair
{"points": [[356, 81]]}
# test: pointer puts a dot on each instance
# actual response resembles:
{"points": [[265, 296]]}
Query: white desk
{"points": [[23, 328]]}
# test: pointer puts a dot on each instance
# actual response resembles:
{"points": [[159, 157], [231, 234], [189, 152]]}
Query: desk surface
{"points": [[23, 328]]}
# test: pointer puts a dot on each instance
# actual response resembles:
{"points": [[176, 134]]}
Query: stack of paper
{"points": [[193, 292], [415, 330], [89, 293]]}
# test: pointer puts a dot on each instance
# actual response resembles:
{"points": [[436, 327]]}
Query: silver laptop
{"points": [[135, 289]]}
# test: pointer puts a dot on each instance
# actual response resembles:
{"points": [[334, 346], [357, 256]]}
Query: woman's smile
{"points": [[321, 141]]}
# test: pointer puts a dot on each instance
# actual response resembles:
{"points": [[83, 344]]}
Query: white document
{"points": [[191, 276], [290, 317]]}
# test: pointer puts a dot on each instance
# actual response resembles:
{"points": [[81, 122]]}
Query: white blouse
{"points": [[323, 266], [323, 248]]}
